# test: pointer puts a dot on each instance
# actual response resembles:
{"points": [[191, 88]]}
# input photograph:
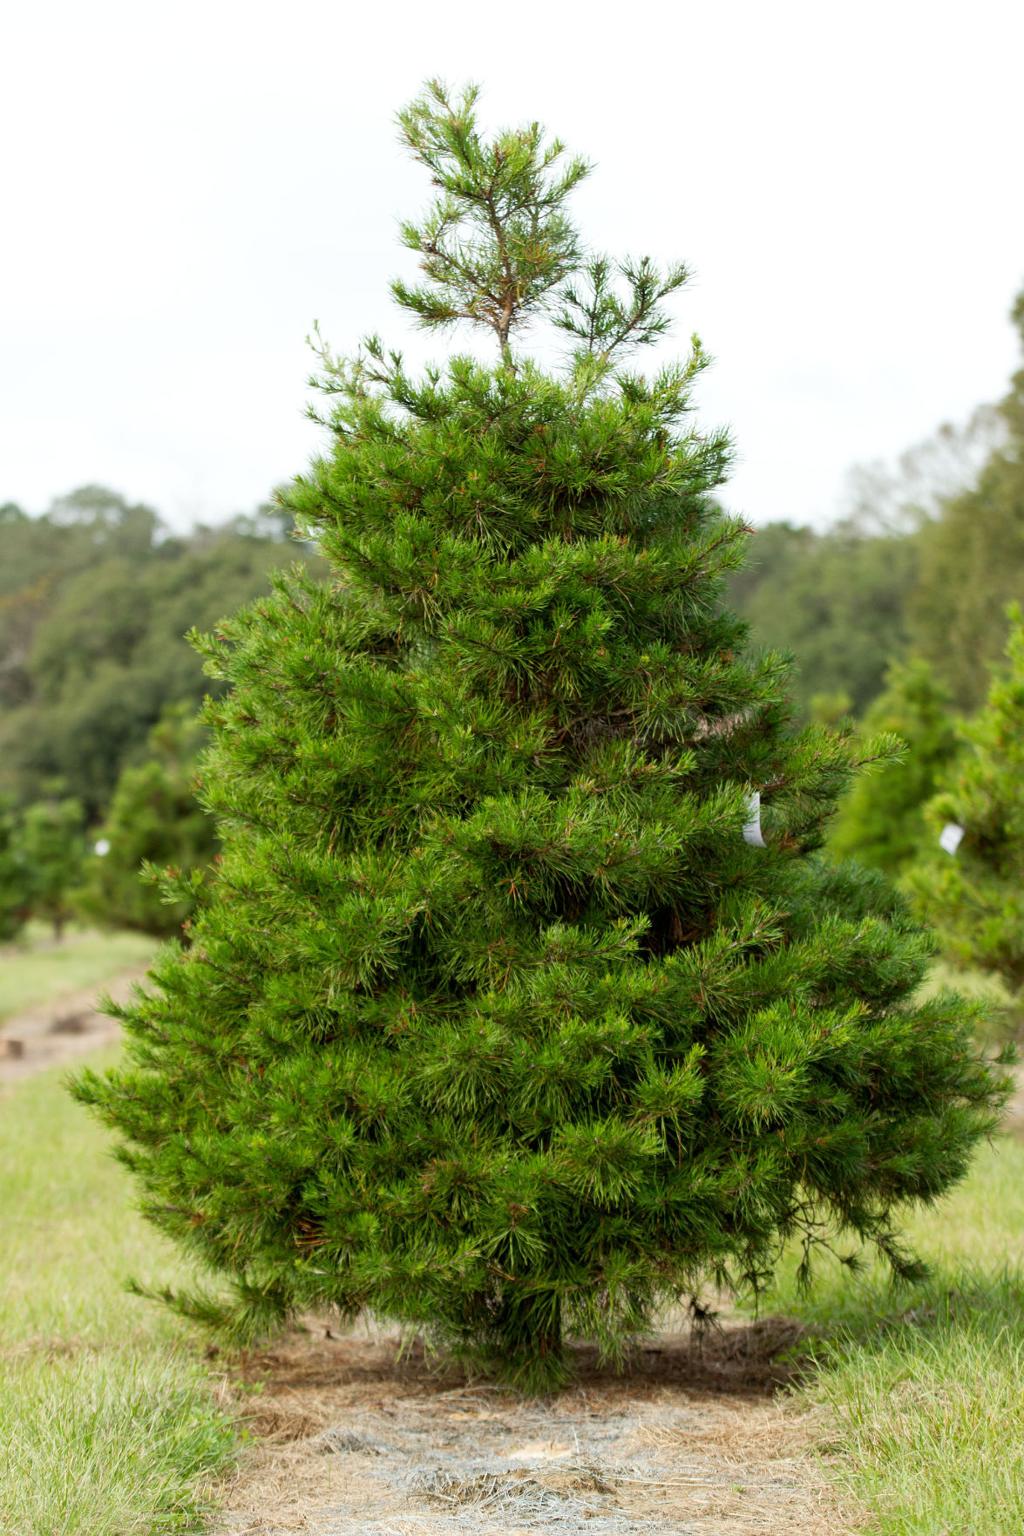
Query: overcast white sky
{"points": [[186, 187]]}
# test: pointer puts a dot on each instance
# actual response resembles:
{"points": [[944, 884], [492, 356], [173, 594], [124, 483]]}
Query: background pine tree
{"points": [[155, 821], [15, 889], [975, 897], [494, 1023], [881, 821], [50, 845]]}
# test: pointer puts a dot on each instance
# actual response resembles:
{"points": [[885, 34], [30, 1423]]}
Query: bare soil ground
{"points": [[56, 1032], [352, 1440]]}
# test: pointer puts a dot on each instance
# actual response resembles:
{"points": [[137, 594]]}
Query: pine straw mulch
{"points": [[350, 1439]]}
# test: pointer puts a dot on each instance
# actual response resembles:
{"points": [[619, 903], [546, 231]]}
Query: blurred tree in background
{"points": [[922, 563], [96, 598], [975, 896], [15, 891], [971, 562], [50, 842], [835, 600], [831, 709], [155, 819], [881, 820]]}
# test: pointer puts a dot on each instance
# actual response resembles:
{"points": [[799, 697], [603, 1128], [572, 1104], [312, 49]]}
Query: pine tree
{"points": [[15, 894], [50, 843], [494, 1022], [975, 896], [154, 824], [881, 820]]}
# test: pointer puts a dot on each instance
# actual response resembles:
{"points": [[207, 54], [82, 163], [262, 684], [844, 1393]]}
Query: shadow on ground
{"points": [[348, 1438]]}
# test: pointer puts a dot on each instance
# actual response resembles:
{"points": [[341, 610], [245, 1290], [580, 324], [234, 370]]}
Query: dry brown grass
{"points": [[349, 1438]]}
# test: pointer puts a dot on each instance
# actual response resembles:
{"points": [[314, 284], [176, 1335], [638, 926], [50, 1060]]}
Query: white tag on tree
{"points": [[752, 826], [951, 836]]}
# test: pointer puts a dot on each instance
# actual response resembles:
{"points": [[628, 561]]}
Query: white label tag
{"points": [[951, 836], [752, 826]]}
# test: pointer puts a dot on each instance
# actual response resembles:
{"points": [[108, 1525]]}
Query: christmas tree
{"points": [[15, 890], [50, 844], [154, 824], [974, 893], [881, 821], [506, 1015]]}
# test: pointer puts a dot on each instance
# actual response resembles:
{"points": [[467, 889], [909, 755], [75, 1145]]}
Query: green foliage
{"points": [[15, 893], [154, 819], [95, 599], [834, 599], [881, 820], [50, 842], [972, 562], [493, 1022], [831, 709], [921, 565], [975, 898], [496, 240]]}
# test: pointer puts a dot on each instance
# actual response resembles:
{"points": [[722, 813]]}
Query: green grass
{"points": [[110, 1425], [36, 970], [108, 1422], [925, 1385]]}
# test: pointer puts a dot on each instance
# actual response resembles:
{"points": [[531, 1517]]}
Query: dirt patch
{"points": [[55, 1033], [351, 1440]]}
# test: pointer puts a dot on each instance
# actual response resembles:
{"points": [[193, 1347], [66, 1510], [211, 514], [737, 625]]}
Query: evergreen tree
{"points": [[15, 894], [831, 709], [95, 599], [51, 845], [494, 1022], [975, 896], [154, 822], [834, 599], [881, 820], [971, 561]]}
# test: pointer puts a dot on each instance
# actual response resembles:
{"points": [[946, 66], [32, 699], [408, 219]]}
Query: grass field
{"points": [[37, 970], [108, 1421], [112, 1425], [925, 1385]]}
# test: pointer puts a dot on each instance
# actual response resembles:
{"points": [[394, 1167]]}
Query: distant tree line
{"points": [[923, 566], [99, 689], [945, 816], [96, 598]]}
